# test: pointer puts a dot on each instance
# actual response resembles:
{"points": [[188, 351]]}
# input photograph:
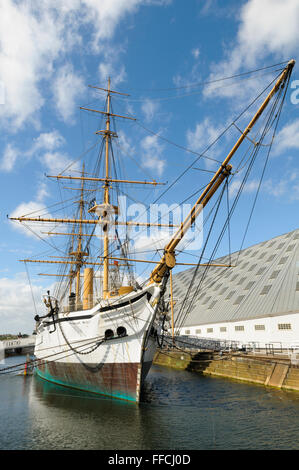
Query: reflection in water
{"points": [[179, 410]]}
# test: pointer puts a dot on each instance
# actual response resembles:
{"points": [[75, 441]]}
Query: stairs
{"points": [[277, 375]]}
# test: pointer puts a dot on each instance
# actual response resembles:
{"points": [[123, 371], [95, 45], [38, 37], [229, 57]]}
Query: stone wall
{"points": [[268, 371]]}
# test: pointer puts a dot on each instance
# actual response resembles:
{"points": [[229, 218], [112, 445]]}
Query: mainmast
{"points": [[105, 208], [106, 199]]}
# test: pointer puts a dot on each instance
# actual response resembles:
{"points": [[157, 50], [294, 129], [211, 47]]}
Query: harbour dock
{"points": [[278, 370]]}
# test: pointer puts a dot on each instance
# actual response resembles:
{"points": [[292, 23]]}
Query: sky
{"points": [[169, 56]]}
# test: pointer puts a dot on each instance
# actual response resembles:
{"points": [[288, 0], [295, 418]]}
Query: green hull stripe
{"points": [[47, 376]]}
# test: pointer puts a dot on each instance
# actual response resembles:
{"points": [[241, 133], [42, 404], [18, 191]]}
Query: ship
{"points": [[103, 341]]}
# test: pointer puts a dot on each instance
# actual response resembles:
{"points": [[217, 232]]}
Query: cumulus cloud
{"points": [[204, 134], [47, 32], [270, 27], [152, 154], [33, 208], [46, 148], [149, 109], [16, 304], [9, 158], [287, 138], [195, 52], [67, 88]]}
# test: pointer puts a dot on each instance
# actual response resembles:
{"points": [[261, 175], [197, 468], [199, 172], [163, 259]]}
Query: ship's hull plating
{"points": [[72, 352]]}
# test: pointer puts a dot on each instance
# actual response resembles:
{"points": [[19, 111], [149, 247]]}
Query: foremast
{"points": [[103, 211]]}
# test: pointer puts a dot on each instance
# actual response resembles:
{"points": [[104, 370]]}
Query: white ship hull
{"points": [[73, 351]]}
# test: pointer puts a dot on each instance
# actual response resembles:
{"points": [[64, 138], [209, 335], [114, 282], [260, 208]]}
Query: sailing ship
{"points": [[105, 343]]}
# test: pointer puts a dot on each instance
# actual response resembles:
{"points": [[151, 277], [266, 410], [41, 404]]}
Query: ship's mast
{"points": [[168, 260], [79, 254], [106, 199]]}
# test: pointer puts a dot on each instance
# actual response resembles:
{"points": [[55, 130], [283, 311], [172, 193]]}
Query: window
{"points": [[239, 299], [223, 329], [241, 281], [187, 332], [284, 326], [212, 305], [259, 327], [230, 294], [260, 271], [198, 332], [109, 334], [249, 285], [121, 331], [239, 328], [209, 330], [252, 267], [274, 274], [265, 290]]}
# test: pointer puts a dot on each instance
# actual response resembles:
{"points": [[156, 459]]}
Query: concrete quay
{"points": [[276, 371]]}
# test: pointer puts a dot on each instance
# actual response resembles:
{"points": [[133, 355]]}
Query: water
{"points": [[179, 411]]}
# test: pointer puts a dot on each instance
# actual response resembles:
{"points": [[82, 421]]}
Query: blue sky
{"points": [[155, 50]]}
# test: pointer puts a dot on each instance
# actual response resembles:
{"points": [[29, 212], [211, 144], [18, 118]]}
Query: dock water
{"points": [[275, 370]]}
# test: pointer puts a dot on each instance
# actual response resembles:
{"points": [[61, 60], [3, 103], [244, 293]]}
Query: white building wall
{"points": [[287, 335]]}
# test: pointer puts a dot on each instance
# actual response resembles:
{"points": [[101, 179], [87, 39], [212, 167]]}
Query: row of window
{"points": [[223, 329]]}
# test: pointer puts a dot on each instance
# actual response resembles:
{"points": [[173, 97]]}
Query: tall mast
{"points": [[106, 198], [79, 254]]}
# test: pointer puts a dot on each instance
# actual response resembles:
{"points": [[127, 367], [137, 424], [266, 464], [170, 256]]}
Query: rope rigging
{"points": [[273, 117], [257, 144]]}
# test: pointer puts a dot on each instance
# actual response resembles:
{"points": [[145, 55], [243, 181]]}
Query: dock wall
{"points": [[268, 371]]}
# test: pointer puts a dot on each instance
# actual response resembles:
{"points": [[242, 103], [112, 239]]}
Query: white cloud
{"points": [[116, 73], [195, 52], [57, 162], [250, 187], [156, 241], [125, 144], [43, 35], [267, 27], [152, 152], [105, 16], [9, 158], [67, 87], [45, 142], [16, 304], [286, 186], [149, 108], [203, 135], [287, 138], [270, 27], [26, 57], [30, 209]]}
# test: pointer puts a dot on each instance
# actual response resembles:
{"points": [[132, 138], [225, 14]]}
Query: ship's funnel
{"points": [[88, 288]]}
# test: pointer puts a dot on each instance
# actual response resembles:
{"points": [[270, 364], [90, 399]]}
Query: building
{"points": [[255, 301]]}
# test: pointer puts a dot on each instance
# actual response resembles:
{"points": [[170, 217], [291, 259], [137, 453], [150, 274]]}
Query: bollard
{"points": [[27, 364]]}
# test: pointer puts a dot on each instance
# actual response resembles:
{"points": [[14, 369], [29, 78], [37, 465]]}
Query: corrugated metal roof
{"points": [[264, 283]]}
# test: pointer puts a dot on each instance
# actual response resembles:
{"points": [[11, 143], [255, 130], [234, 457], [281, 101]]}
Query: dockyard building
{"points": [[256, 301]]}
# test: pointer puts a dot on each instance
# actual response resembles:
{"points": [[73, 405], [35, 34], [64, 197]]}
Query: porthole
{"points": [[109, 334], [121, 331]]}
